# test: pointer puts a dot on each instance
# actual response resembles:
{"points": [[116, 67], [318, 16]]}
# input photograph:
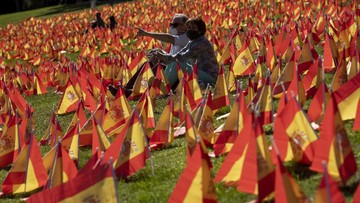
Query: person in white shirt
{"points": [[176, 37]]}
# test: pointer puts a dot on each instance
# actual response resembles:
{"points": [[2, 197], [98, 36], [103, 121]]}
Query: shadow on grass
{"points": [[350, 189], [301, 171]]}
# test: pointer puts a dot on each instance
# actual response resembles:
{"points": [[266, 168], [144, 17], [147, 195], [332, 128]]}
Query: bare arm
{"points": [[164, 37]]}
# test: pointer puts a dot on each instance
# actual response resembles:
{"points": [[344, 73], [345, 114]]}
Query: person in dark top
{"points": [[112, 23], [98, 22]]}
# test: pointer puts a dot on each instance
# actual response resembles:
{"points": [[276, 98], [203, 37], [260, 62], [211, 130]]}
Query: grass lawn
{"points": [[168, 163]]}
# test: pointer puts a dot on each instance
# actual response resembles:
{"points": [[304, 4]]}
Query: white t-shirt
{"points": [[179, 43]]}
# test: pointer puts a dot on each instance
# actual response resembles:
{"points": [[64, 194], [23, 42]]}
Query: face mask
{"points": [[193, 34], [173, 31]]}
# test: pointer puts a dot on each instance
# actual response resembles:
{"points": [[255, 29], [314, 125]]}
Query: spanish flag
{"points": [[313, 78], [142, 81], [328, 190], [195, 183], [347, 97], [68, 102], [293, 134], [95, 185], [129, 149], [119, 110], [230, 80], [206, 124], [63, 168], [10, 139], [318, 104], [164, 130], [244, 63], [232, 127], [71, 140], [99, 138], [146, 112], [356, 125], [28, 172], [329, 56], [53, 133], [286, 188], [335, 148], [221, 95]]}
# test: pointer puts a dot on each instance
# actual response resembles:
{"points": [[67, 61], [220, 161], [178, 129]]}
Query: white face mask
{"points": [[173, 31]]}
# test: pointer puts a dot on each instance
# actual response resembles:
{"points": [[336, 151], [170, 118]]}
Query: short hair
{"points": [[182, 17], [200, 24]]}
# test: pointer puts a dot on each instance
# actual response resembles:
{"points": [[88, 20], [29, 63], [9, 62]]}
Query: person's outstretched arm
{"points": [[164, 37]]}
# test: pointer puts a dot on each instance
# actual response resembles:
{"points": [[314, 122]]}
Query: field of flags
{"points": [[291, 66]]}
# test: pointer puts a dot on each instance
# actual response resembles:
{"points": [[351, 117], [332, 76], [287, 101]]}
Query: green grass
{"points": [[168, 163]]}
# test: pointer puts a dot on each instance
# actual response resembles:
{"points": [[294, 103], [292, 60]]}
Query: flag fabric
{"points": [[318, 104], [99, 139], [142, 81], [328, 190], [334, 147], [233, 125], [313, 78], [250, 153], [221, 95], [286, 76], [68, 102], [63, 168], [356, 125], [53, 133], [146, 112], [119, 110], [263, 103], [28, 172], [206, 122], [293, 134], [286, 188], [164, 130], [10, 142], [79, 117], [129, 149], [71, 140], [96, 185], [230, 80], [244, 63], [347, 97], [195, 183], [193, 135]]}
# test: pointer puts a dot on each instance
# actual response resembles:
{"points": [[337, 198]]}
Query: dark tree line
{"points": [[11, 6]]}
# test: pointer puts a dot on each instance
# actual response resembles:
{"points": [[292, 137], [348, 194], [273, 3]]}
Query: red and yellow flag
{"points": [[328, 190], [96, 185], [100, 141], [286, 188], [119, 110], [333, 146], [62, 169], [164, 130], [221, 95], [347, 97], [28, 172], [10, 142], [244, 63], [195, 183], [233, 125], [129, 148], [293, 134], [68, 102]]}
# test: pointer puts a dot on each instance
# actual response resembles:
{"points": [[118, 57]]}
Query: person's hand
{"points": [[140, 32]]}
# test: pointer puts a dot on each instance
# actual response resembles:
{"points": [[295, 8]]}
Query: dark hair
{"points": [[200, 24]]}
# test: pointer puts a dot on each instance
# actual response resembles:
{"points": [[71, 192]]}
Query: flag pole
{"points": [[327, 184]]}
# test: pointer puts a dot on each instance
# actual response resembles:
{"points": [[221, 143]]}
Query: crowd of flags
{"points": [[282, 50]]}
